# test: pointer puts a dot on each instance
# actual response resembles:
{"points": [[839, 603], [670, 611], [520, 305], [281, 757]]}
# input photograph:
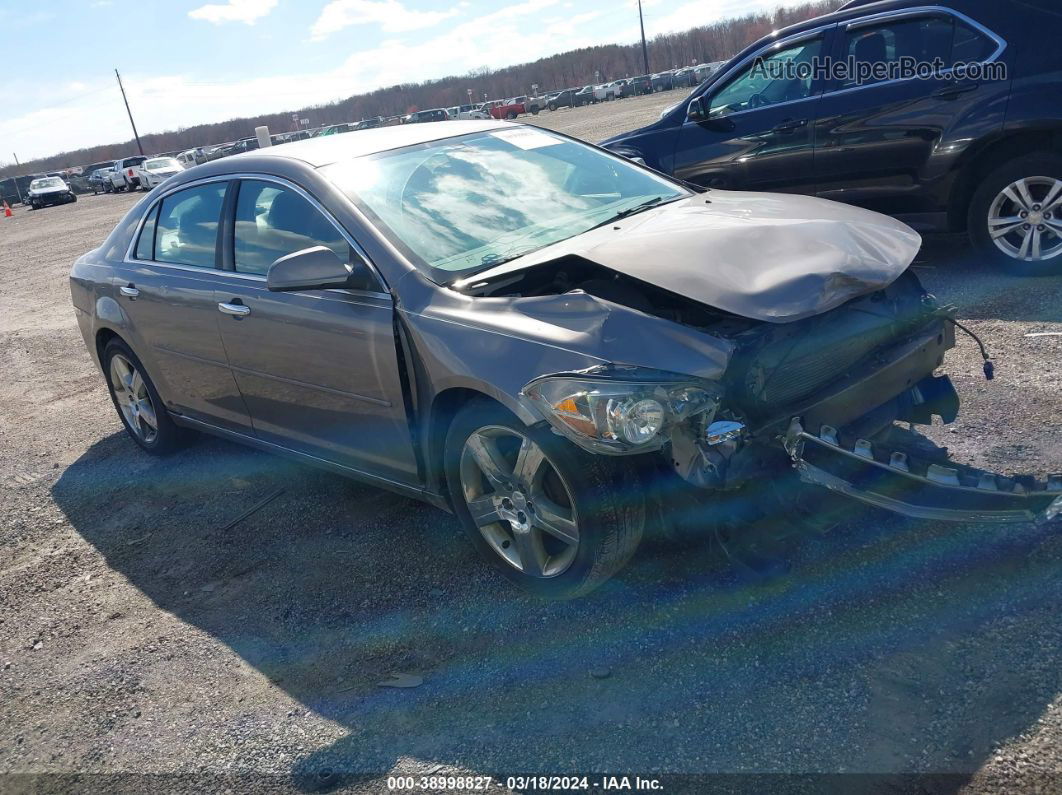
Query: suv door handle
{"points": [[129, 291], [952, 92], [236, 308], [790, 125]]}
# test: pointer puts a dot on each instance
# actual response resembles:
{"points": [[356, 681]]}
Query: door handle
{"points": [[235, 309], [129, 291], [790, 125], [952, 92]]}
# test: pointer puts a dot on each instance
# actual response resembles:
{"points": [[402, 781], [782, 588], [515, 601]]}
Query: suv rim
{"points": [[134, 400], [1025, 220], [519, 501]]}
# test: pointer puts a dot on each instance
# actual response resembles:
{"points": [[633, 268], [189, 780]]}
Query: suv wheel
{"points": [[137, 402], [554, 519], [1016, 215]]}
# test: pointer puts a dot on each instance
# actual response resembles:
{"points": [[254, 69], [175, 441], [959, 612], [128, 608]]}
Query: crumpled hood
{"points": [[771, 257]]}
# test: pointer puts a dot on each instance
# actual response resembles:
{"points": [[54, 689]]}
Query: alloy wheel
{"points": [[133, 399], [519, 501], [1025, 220]]}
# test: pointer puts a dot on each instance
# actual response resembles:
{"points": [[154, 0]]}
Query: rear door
{"points": [[758, 134], [886, 141], [166, 287], [318, 369]]}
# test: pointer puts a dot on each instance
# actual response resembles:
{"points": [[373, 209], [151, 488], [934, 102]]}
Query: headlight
{"points": [[617, 417]]}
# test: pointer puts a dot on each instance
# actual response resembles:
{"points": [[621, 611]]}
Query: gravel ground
{"points": [[141, 633]]}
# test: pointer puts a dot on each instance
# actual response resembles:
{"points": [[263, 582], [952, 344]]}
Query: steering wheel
{"points": [[757, 100]]}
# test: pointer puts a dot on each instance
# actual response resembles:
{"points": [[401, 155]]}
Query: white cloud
{"points": [[391, 15], [246, 11]]}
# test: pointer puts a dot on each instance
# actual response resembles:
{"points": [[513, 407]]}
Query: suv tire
{"points": [[1000, 197], [590, 498]]}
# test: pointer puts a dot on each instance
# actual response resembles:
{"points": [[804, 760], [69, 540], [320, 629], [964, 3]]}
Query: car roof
{"points": [[323, 151]]}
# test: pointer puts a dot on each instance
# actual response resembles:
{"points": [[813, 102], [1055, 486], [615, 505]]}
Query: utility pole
{"points": [[14, 179], [136, 135], [645, 50]]}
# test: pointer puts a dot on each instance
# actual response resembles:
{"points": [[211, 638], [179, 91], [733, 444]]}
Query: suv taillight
{"points": [[130, 172]]}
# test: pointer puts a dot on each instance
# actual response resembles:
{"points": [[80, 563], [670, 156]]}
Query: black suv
{"points": [[946, 115]]}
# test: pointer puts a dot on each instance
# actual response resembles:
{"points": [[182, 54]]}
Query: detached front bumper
{"points": [[897, 480]]}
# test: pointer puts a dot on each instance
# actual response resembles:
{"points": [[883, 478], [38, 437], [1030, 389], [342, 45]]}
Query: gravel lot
{"points": [[141, 633]]}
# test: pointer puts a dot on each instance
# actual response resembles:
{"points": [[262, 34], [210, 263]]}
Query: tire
{"points": [[535, 109], [1041, 175], [167, 436], [552, 106], [595, 495], [510, 115]]}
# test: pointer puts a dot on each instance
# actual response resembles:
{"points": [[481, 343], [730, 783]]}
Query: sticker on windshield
{"points": [[526, 138]]}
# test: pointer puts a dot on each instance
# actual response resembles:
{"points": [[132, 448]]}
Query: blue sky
{"points": [[185, 61]]}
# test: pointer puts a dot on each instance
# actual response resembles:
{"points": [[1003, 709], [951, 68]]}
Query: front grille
{"points": [[780, 365]]}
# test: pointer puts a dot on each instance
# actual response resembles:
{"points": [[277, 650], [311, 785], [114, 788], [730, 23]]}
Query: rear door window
{"points": [[921, 40], [188, 226]]}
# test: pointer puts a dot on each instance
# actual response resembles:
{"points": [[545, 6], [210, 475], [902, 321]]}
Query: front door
{"points": [[758, 133], [167, 290], [318, 369]]}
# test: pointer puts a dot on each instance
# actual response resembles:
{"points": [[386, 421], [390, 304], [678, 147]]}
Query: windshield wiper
{"points": [[628, 211]]}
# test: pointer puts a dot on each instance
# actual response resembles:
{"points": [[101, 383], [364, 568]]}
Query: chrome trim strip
{"points": [[130, 254], [920, 11]]}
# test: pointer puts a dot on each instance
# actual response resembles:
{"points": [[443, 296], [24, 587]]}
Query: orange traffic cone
{"points": [[7, 210]]}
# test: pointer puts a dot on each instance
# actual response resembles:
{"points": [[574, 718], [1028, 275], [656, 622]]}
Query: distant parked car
{"points": [[641, 84], [124, 177], [433, 114], [684, 78], [98, 179], [336, 129], [46, 191], [369, 124], [568, 98], [467, 112], [663, 81], [192, 157], [157, 170], [508, 109]]}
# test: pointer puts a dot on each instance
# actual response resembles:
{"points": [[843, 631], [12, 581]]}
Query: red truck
{"points": [[508, 109]]}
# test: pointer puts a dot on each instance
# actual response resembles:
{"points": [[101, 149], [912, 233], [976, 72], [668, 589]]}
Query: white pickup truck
{"points": [[124, 176]]}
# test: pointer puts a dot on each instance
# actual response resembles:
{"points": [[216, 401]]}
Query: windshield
{"points": [[47, 182], [161, 163], [466, 203]]}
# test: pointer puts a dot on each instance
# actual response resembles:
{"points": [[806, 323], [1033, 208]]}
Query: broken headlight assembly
{"points": [[619, 417]]}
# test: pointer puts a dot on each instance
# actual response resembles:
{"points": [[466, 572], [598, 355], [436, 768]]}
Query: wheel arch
{"points": [[991, 156], [444, 407]]}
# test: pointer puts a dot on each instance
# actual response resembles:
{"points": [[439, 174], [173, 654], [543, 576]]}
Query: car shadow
{"points": [[950, 268], [891, 647]]}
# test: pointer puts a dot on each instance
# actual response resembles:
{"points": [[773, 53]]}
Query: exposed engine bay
{"points": [[849, 375]]}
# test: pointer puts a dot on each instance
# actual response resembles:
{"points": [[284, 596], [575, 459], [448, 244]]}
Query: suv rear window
{"points": [[133, 161]]}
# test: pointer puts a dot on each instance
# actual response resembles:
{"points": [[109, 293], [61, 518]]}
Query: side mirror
{"points": [[316, 268], [697, 110]]}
